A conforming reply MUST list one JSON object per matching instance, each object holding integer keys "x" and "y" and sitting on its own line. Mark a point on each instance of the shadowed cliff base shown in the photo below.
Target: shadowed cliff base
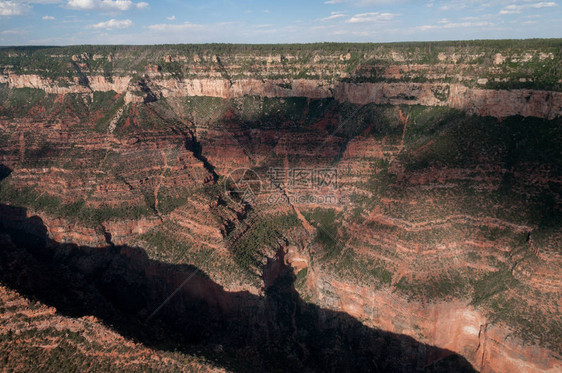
{"x": 238, "y": 330}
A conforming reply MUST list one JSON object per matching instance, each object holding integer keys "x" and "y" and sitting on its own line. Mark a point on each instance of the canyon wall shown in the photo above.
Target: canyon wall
{"x": 444, "y": 225}
{"x": 484, "y": 102}
{"x": 455, "y": 326}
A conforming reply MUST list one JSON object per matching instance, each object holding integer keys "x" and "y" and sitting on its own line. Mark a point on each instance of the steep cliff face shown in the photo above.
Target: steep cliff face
{"x": 484, "y": 102}
{"x": 438, "y": 217}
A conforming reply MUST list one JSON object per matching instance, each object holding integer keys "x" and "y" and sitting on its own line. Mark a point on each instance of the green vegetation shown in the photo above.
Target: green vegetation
{"x": 108, "y": 106}
{"x": 270, "y": 112}
{"x": 446, "y": 286}
{"x": 205, "y": 110}
{"x": 491, "y": 284}
{"x": 169, "y": 200}
{"x": 31, "y": 198}
{"x": 351, "y": 264}
{"x": 74, "y": 352}
{"x": 168, "y": 245}
{"x": 301, "y": 278}
{"x": 102, "y": 100}
{"x": 327, "y": 234}
{"x": 364, "y": 62}
{"x": 19, "y": 101}
{"x": 264, "y": 232}
{"x": 450, "y": 138}
{"x": 502, "y": 296}
{"x": 536, "y": 73}
{"x": 439, "y": 138}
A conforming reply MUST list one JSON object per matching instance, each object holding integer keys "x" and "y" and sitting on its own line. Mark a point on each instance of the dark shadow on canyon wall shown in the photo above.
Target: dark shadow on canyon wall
{"x": 279, "y": 331}
{"x": 4, "y": 172}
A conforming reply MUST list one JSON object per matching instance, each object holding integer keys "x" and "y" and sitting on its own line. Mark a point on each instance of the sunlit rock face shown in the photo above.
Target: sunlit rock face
{"x": 395, "y": 189}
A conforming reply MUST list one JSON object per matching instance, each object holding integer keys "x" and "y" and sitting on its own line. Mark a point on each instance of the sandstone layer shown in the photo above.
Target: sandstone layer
{"x": 484, "y": 102}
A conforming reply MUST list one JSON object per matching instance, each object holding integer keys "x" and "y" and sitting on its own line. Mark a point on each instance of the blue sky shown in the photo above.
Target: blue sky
{"x": 64, "y": 22}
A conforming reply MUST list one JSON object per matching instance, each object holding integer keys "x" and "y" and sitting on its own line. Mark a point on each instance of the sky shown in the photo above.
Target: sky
{"x": 72, "y": 22}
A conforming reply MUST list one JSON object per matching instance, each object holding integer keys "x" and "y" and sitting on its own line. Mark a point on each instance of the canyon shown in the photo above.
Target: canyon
{"x": 434, "y": 243}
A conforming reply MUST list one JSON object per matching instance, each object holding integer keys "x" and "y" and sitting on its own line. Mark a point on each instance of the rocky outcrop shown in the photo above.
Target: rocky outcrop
{"x": 495, "y": 103}
{"x": 95, "y": 83}
{"x": 484, "y": 102}
{"x": 454, "y": 325}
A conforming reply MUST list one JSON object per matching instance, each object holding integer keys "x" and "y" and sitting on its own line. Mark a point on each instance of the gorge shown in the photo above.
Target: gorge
{"x": 413, "y": 223}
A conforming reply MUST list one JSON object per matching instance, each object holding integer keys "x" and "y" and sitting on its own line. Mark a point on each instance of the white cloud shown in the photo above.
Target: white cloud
{"x": 107, "y": 5}
{"x": 454, "y": 6}
{"x": 171, "y": 18}
{"x": 48, "y": 18}
{"x": 366, "y": 3}
{"x": 12, "y": 8}
{"x": 372, "y": 17}
{"x": 518, "y": 9}
{"x": 333, "y": 15}
{"x": 446, "y": 24}
{"x": 378, "y": 2}
{"x": 13, "y": 32}
{"x": 543, "y": 4}
{"x": 172, "y": 27}
{"x": 113, "y": 24}
{"x": 83, "y": 4}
